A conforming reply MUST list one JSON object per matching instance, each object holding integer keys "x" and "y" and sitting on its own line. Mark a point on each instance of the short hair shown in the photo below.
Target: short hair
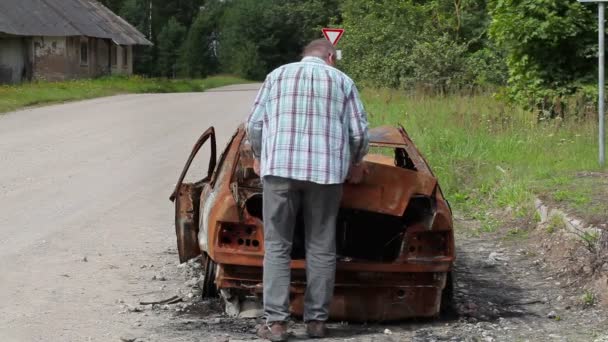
{"x": 319, "y": 48}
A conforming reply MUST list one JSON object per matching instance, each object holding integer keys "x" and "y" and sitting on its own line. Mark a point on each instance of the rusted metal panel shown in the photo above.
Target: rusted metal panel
{"x": 402, "y": 209}
{"x": 187, "y": 201}
{"x": 387, "y": 189}
{"x": 218, "y": 205}
{"x": 186, "y": 221}
{"x": 358, "y": 295}
{"x": 386, "y": 136}
{"x": 380, "y": 159}
{"x": 373, "y": 303}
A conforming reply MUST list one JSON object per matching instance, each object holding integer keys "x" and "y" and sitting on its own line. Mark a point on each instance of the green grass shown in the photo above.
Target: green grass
{"x": 489, "y": 155}
{"x": 588, "y": 298}
{"x": 515, "y": 234}
{"x": 555, "y": 223}
{"x": 584, "y": 195}
{"x": 591, "y": 238}
{"x": 13, "y": 97}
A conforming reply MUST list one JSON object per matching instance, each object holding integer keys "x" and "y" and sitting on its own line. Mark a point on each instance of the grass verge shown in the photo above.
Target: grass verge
{"x": 491, "y": 157}
{"x": 13, "y": 97}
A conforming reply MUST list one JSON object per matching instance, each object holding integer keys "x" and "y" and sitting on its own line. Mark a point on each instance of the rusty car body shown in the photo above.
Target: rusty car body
{"x": 395, "y": 233}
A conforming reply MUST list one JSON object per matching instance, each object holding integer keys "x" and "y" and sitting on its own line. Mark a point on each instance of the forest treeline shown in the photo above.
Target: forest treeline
{"x": 542, "y": 50}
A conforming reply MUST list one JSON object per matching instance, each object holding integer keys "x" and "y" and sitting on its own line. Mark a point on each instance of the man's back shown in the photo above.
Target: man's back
{"x": 312, "y": 121}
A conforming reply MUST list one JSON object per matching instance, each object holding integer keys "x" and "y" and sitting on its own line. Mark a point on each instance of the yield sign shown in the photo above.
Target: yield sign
{"x": 333, "y": 34}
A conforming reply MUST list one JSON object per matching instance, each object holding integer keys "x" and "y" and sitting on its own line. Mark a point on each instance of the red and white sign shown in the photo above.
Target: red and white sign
{"x": 333, "y": 34}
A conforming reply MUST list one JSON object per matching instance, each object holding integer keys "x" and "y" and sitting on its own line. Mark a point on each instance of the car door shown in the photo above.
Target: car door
{"x": 186, "y": 197}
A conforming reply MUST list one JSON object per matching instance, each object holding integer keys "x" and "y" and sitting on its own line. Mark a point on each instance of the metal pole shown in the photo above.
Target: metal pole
{"x": 602, "y": 134}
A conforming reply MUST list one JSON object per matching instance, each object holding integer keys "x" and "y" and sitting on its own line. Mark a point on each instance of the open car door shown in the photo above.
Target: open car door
{"x": 186, "y": 197}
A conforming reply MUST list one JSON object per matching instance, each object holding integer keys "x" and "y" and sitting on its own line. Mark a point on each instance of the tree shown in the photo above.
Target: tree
{"x": 184, "y": 11}
{"x": 407, "y": 43}
{"x": 549, "y": 43}
{"x": 380, "y": 38}
{"x": 170, "y": 40}
{"x": 199, "y": 52}
{"x": 257, "y": 36}
{"x": 114, "y": 5}
{"x": 137, "y": 12}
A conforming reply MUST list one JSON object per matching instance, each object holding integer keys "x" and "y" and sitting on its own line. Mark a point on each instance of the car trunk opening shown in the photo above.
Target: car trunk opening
{"x": 360, "y": 235}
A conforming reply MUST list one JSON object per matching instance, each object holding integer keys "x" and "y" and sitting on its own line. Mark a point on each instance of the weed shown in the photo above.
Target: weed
{"x": 526, "y": 211}
{"x": 590, "y": 238}
{"x": 555, "y": 223}
{"x": 559, "y": 180}
{"x": 588, "y": 298}
{"x": 489, "y": 225}
{"x": 517, "y": 234}
{"x": 574, "y": 197}
{"x": 537, "y": 217}
{"x": 561, "y": 195}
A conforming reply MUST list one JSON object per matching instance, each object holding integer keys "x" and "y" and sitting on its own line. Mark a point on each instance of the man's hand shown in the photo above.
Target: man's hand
{"x": 256, "y": 166}
{"x": 357, "y": 173}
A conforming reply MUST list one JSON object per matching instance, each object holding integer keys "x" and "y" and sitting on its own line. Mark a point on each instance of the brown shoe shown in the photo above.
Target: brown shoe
{"x": 316, "y": 329}
{"x": 274, "y": 331}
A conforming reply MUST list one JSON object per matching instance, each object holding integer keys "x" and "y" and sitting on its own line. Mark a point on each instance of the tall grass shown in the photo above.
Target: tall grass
{"x": 13, "y": 97}
{"x": 486, "y": 153}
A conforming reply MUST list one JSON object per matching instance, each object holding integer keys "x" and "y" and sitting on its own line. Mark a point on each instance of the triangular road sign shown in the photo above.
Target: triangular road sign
{"x": 333, "y": 34}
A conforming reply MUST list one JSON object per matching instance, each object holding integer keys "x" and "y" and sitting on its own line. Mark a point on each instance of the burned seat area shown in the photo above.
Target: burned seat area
{"x": 375, "y": 216}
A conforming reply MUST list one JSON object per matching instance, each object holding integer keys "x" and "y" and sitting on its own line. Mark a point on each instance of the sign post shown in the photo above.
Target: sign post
{"x": 334, "y": 35}
{"x": 601, "y": 8}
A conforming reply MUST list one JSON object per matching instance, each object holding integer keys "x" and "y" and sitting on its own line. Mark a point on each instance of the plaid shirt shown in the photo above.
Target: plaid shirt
{"x": 308, "y": 123}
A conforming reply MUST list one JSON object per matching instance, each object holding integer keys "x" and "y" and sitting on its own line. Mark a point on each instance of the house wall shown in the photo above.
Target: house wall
{"x": 102, "y": 67}
{"x": 119, "y": 67}
{"x": 129, "y": 66}
{"x": 49, "y": 58}
{"x": 60, "y": 58}
{"x": 15, "y": 61}
{"x": 73, "y": 67}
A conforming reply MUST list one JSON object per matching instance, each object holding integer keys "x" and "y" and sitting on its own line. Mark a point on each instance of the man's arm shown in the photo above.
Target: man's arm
{"x": 255, "y": 121}
{"x": 358, "y": 131}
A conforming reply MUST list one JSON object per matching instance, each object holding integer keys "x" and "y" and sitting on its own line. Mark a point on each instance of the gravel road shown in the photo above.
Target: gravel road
{"x": 84, "y": 203}
{"x": 86, "y": 234}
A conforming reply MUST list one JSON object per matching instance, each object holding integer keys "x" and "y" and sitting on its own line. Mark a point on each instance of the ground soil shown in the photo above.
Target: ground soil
{"x": 504, "y": 291}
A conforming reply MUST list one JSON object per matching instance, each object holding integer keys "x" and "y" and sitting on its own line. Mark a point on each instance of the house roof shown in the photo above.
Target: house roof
{"x": 66, "y": 18}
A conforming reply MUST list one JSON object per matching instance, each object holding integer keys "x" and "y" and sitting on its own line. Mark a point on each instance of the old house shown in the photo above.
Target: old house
{"x": 63, "y": 39}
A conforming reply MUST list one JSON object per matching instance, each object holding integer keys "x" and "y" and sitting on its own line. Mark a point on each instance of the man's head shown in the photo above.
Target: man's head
{"x": 321, "y": 48}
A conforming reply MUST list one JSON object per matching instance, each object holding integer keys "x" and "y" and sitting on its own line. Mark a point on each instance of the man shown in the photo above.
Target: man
{"x": 307, "y": 129}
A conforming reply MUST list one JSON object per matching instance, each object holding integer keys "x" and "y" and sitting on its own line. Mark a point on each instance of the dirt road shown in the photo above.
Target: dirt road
{"x": 86, "y": 234}
{"x": 91, "y": 180}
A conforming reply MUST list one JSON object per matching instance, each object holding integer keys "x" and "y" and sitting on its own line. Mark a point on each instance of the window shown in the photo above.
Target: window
{"x": 125, "y": 57}
{"x": 114, "y": 55}
{"x": 84, "y": 53}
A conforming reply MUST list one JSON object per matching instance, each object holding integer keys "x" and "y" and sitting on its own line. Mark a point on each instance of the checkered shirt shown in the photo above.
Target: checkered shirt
{"x": 308, "y": 123}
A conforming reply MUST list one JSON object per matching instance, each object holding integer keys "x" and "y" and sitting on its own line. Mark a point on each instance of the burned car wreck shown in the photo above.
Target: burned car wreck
{"x": 395, "y": 238}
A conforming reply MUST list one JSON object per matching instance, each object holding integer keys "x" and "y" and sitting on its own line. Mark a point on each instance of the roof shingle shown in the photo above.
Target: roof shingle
{"x": 66, "y": 18}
